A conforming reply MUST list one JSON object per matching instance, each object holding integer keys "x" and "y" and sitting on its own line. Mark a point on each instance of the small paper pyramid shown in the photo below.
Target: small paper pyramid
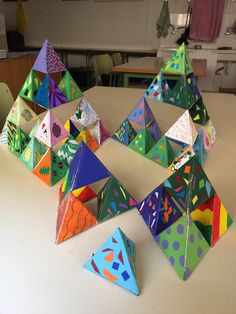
{"x": 31, "y": 86}
{"x": 116, "y": 261}
{"x": 141, "y": 114}
{"x": 51, "y": 131}
{"x": 86, "y": 136}
{"x": 182, "y": 157}
{"x": 4, "y": 134}
{"x": 181, "y": 91}
{"x": 99, "y": 132}
{"x": 142, "y": 142}
{"x": 71, "y": 128}
{"x": 21, "y": 113}
{"x": 183, "y": 130}
{"x": 158, "y": 210}
{"x": 184, "y": 246}
{"x": 33, "y": 153}
{"x": 154, "y": 130}
{"x": 49, "y": 95}
{"x": 86, "y": 168}
{"x": 113, "y": 199}
{"x": 67, "y": 151}
{"x": 50, "y": 168}
{"x": 72, "y": 218}
{"x": 69, "y": 87}
{"x": 125, "y": 133}
{"x": 198, "y": 112}
{"x": 35, "y": 128}
{"x": 84, "y": 114}
{"x": 179, "y": 63}
{"x": 47, "y": 60}
{"x": 212, "y": 219}
{"x": 162, "y": 152}
{"x": 155, "y": 90}
{"x": 189, "y": 185}
{"x": 19, "y": 142}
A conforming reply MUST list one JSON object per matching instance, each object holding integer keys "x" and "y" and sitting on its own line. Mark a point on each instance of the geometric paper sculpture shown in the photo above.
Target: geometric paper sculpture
{"x": 116, "y": 261}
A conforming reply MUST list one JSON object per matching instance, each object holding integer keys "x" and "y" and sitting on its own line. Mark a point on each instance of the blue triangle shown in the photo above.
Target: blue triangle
{"x": 118, "y": 268}
{"x": 86, "y": 168}
{"x": 42, "y": 94}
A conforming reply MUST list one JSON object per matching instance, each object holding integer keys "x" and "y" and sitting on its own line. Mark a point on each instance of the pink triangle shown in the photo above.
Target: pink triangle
{"x": 132, "y": 202}
{"x": 104, "y": 134}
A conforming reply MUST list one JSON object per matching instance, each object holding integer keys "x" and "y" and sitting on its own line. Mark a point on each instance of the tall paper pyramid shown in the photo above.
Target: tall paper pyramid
{"x": 116, "y": 261}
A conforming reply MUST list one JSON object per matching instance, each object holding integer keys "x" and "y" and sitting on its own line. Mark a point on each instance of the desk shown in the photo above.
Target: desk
{"x": 148, "y": 67}
{"x": 38, "y": 276}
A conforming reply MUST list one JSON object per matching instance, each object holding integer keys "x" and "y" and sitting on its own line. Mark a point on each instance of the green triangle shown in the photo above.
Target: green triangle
{"x": 142, "y": 142}
{"x": 198, "y": 112}
{"x": 19, "y": 142}
{"x": 30, "y": 86}
{"x": 32, "y": 154}
{"x": 162, "y": 152}
{"x": 184, "y": 246}
{"x": 179, "y": 63}
{"x": 35, "y": 128}
{"x": 58, "y": 168}
{"x": 67, "y": 151}
{"x": 113, "y": 199}
{"x": 69, "y": 87}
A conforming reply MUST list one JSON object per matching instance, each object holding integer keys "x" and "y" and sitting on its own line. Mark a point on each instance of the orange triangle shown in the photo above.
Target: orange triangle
{"x": 90, "y": 141}
{"x": 43, "y": 168}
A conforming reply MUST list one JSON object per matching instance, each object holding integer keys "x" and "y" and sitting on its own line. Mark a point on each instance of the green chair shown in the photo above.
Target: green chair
{"x": 6, "y": 102}
{"x": 102, "y": 65}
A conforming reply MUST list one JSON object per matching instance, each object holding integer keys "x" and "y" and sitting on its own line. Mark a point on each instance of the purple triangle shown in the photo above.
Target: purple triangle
{"x": 56, "y": 97}
{"x": 141, "y": 113}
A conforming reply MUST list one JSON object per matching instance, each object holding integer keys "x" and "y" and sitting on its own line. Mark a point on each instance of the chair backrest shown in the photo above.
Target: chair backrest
{"x": 6, "y": 102}
{"x": 117, "y": 59}
{"x": 102, "y": 64}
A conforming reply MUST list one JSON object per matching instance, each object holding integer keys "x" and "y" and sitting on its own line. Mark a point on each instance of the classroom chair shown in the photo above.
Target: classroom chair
{"x": 102, "y": 65}
{"x": 6, "y": 102}
{"x": 117, "y": 59}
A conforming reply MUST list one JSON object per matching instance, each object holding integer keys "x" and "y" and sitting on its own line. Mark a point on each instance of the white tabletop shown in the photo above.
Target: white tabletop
{"x": 39, "y": 277}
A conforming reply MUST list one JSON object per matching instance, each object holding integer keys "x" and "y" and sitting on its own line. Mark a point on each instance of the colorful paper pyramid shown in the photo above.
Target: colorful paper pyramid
{"x": 84, "y": 114}
{"x": 31, "y": 86}
{"x": 50, "y": 168}
{"x": 162, "y": 152}
{"x": 21, "y": 113}
{"x": 73, "y": 218}
{"x": 67, "y": 151}
{"x": 33, "y": 153}
{"x": 212, "y": 219}
{"x": 141, "y": 114}
{"x": 142, "y": 142}
{"x": 183, "y": 130}
{"x": 48, "y": 61}
{"x": 184, "y": 246}
{"x": 49, "y": 95}
{"x": 125, "y": 133}
{"x": 116, "y": 261}
{"x": 158, "y": 210}
{"x": 113, "y": 199}
{"x": 51, "y": 131}
{"x": 19, "y": 142}
{"x": 69, "y": 87}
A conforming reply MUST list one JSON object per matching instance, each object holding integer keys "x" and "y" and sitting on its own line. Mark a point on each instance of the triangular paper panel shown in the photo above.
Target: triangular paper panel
{"x": 212, "y": 219}
{"x": 51, "y": 131}
{"x": 99, "y": 132}
{"x": 183, "y": 130}
{"x": 162, "y": 152}
{"x": 33, "y": 153}
{"x": 211, "y": 131}
{"x": 184, "y": 246}
{"x": 84, "y": 114}
{"x": 69, "y": 87}
{"x": 67, "y": 151}
{"x": 35, "y": 128}
{"x": 50, "y": 168}
{"x": 11, "y": 130}
{"x": 86, "y": 136}
{"x": 142, "y": 142}
{"x": 113, "y": 199}
{"x": 155, "y": 90}
{"x": 86, "y": 168}
{"x": 49, "y": 95}
{"x": 71, "y": 128}
{"x": 189, "y": 185}
{"x": 198, "y": 112}
{"x": 125, "y": 133}
{"x": 65, "y": 186}
{"x": 30, "y": 86}
{"x": 115, "y": 261}
{"x": 154, "y": 130}
{"x": 72, "y": 218}
{"x": 84, "y": 194}
{"x": 182, "y": 157}
{"x": 47, "y": 60}
{"x": 179, "y": 63}
{"x": 4, "y": 134}
{"x": 181, "y": 91}
{"x": 141, "y": 114}
{"x": 19, "y": 142}
{"x": 21, "y": 113}
{"x": 202, "y": 145}
{"x": 158, "y": 210}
